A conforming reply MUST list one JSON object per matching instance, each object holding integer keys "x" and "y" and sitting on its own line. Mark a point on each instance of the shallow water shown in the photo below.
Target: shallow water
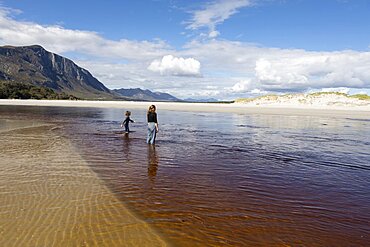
{"x": 221, "y": 179}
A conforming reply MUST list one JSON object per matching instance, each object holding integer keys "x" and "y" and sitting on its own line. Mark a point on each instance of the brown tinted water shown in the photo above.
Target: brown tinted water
{"x": 229, "y": 180}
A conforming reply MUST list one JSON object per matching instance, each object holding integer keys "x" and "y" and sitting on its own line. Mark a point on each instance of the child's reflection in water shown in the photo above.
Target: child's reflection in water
{"x": 126, "y": 146}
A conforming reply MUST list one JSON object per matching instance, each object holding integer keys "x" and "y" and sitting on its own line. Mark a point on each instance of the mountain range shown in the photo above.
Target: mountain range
{"x": 145, "y": 95}
{"x": 201, "y": 100}
{"x": 36, "y": 66}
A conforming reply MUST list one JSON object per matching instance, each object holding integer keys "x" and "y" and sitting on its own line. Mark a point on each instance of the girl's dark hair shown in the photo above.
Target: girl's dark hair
{"x": 151, "y": 109}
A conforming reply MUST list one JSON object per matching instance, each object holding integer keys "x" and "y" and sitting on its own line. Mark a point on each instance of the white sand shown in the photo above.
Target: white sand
{"x": 277, "y": 108}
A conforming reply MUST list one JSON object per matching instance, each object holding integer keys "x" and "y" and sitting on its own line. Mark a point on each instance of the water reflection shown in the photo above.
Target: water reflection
{"x": 126, "y": 145}
{"x": 152, "y": 162}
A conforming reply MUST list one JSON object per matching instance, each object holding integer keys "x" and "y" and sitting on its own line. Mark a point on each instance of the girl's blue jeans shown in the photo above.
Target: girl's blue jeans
{"x": 151, "y": 133}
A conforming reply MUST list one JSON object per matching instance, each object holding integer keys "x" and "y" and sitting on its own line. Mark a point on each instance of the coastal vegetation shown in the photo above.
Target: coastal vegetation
{"x": 17, "y": 90}
{"x": 267, "y": 97}
{"x": 361, "y": 96}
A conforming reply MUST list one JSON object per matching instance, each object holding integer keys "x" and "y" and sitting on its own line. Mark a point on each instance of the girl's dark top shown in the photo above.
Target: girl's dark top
{"x": 152, "y": 117}
{"x": 127, "y": 120}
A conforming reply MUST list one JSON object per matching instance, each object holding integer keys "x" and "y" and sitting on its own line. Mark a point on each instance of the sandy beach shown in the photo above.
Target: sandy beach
{"x": 239, "y": 108}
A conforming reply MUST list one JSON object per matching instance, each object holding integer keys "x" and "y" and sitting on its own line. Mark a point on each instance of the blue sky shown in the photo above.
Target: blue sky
{"x": 222, "y": 49}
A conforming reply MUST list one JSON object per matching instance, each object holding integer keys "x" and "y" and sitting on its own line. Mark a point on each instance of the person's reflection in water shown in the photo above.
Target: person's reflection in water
{"x": 126, "y": 146}
{"x": 152, "y": 162}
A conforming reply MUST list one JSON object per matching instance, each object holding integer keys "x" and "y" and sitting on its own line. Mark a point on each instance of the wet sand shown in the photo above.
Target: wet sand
{"x": 50, "y": 197}
{"x": 287, "y": 110}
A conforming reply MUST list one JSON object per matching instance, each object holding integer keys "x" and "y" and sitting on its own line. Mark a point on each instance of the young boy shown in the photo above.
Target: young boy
{"x": 127, "y": 121}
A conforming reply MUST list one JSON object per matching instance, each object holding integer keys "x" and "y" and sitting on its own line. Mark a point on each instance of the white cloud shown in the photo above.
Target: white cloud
{"x": 213, "y": 34}
{"x": 215, "y": 13}
{"x": 178, "y": 66}
{"x": 4, "y": 11}
{"x": 274, "y": 69}
{"x": 299, "y": 70}
{"x": 242, "y": 86}
{"x": 258, "y": 91}
{"x": 272, "y": 75}
{"x": 211, "y": 87}
{"x": 59, "y": 40}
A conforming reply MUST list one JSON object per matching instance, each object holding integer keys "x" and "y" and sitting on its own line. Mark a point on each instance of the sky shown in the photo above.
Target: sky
{"x": 223, "y": 49}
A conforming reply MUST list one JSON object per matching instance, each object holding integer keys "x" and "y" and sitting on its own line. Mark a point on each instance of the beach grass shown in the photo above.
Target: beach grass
{"x": 361, "y": 96}
{"x": 267, "y": 96}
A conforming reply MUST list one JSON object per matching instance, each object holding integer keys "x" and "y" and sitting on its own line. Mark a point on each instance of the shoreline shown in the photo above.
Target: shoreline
{"x": 239, "y": 108}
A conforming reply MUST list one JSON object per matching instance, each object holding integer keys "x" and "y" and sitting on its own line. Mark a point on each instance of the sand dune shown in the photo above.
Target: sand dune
{"x": 325, "y": 100}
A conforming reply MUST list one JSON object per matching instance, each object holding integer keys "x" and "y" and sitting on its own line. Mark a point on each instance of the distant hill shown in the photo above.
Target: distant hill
{"x": 36, "y": 66}
{"x": 144, "y": 95}
{"x": 201, "y": 100}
